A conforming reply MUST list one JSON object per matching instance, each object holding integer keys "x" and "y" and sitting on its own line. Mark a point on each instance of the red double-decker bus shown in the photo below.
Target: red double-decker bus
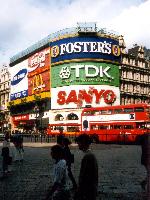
{"x": 122, "y": 123}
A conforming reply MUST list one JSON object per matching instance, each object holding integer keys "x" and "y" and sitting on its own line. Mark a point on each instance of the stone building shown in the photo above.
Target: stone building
{"x": 4, "y": 97}
{"x": 41, "y": 108}
{"x": 134, "y": 75}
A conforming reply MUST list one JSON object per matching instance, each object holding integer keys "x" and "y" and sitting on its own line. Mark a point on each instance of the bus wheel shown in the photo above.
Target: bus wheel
{"x": 95, "y": 139}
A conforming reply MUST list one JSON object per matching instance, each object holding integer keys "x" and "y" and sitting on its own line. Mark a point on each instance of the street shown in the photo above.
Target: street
{"x": 120, "y": 172}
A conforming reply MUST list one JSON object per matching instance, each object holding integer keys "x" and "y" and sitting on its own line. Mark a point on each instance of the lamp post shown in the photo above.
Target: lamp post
{"x": 36, "y": 111}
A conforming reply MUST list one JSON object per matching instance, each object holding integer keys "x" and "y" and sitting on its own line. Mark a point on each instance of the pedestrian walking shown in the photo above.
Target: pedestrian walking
{"x": 59, "y": 190}
{"x": 88, "y": 177}
{"x": 60, "y": 137}
{"x": 7, "y": 159}
{"x": 19, "y": 151}
{"x": 69, "y": 157}
{"x": 144, "y": 141}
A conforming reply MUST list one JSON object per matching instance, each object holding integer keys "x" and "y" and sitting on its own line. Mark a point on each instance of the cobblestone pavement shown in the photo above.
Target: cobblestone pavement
{"x": 120, "y": 172}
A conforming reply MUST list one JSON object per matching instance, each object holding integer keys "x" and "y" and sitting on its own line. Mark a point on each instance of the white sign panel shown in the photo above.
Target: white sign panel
{"x": 19, "y": 80}
{"x": 106, "y": 118}
{"x": 78, "y": 96}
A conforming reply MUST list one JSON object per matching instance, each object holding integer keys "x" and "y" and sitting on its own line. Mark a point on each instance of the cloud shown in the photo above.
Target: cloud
{"x": 23, "y": 23}
{"x": 134, "y": 24}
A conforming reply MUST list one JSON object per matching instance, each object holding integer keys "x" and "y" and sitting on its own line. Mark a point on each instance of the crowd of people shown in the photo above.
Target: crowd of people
{"x": 86, "y": 186}
{"x": 9, "y": 154}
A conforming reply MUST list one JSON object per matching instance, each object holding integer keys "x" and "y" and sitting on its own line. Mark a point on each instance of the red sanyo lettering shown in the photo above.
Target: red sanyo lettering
{"x": 108, "y": 96}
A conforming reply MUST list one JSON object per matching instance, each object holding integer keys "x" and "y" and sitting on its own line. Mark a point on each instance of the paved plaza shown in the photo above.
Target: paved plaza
{"x": 120, "y": 172}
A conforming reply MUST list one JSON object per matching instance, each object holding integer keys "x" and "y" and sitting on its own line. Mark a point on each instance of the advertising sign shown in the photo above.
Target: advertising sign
{"x": 39, "y": 72}
{"x": 39, "y": 62}
{"x": 19, "y": 80}
{"x": 94, "y": 95}
{"x": 39, "y": 83}
{"x": 85, "y": 73}
{"x": 115, "y": 117}
{"x": 78, "y": 48}
{"x": 21, "y": 117}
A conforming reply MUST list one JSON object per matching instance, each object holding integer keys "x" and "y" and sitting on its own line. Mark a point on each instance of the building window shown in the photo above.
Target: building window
{"x": 59, "y": 117}
{"x": 72, "y": 116}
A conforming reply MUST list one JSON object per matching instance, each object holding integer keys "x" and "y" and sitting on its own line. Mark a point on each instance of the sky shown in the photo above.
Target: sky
{"x": 25, "y": 22}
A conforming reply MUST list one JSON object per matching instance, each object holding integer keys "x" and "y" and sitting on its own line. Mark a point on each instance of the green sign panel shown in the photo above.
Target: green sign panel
{"x": 85, "y": 73}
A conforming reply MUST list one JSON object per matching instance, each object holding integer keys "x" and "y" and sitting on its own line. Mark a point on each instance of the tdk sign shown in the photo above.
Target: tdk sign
{"x": 19, "y": 76}
{"x": 101, "y": 48}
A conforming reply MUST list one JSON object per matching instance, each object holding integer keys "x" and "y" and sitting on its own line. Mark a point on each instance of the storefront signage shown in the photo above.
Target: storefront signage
{"x": 39, "y": 83}
{"x": 84, "y": 74}
{"x": 19, "y": 76}
{"x": 85, "y": 47}
{"x": 98, "y": 71}
{"x": 94, "y": 95}
{"x": 19, "y": 95}
{"x": 19, "y": 80}
{"x": 83, "y": 95}
{"x": 35, "y": 97}
{"x": 39, "y": 62}
{"x": 21, "y": 117}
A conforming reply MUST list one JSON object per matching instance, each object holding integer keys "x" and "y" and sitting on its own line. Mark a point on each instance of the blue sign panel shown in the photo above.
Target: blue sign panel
{"x": 101, "y": 48}
{"x": 19, "y": 76}
{"x": 19, "y": 95}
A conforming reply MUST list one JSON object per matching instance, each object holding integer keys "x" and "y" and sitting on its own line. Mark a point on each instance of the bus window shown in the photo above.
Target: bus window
{"x": 117, "y": 126}
{"x": 72, "y": 129}
{"x": 104, "y": 112}
{"x": 139, "y": 109}
{"x": 117, "y": 110}
{"x": 103, "y": 127}
{"x": 94, "y": 127}
{"x": 128, "y": 110}
{"x": 141, "y": 125}
{"x": 96, "y": 112}
{"x": 147, "y": 109}
{"x": 148, "y": 125}
{"x": 110, "y": 111}
{"x": 128, "y": 127}
{"x": 58, "y": 128}
{"x": 87, "y": 113}
{"x": 111, "y": 127}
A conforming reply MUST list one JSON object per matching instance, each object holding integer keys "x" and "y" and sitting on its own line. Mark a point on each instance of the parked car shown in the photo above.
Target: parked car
{"x": 2, "y": 136}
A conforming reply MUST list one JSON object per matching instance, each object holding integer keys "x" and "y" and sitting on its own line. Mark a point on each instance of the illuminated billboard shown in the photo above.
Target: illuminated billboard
{"x": 95, "y": 95}
{"x": 84, "y": 48}
{"x": 85, "y": 73}
{"x": 39, "y": 83}
{"x": 39, "y": 72}
{"x": 31, "y": 77}
{"x": 19, "y": 80}
{"x": 39, "y": 62}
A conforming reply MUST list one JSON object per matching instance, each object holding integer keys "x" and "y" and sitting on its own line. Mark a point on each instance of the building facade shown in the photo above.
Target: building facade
{"x": 4, "y": 98}
{"x": 135, "y": 76}
{"x": 53, "y": 80}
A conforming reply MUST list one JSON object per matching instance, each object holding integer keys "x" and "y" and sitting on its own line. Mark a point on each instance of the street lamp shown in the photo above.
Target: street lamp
{"x": 36, "y": 111}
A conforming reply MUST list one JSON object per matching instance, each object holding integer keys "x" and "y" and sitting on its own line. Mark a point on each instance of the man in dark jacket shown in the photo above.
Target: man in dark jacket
{"x": 88, "y": 178}
{"x": 144, "y": 141}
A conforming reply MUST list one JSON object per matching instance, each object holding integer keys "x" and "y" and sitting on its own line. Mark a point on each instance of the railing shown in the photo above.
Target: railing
{"x": 103, "y": 138}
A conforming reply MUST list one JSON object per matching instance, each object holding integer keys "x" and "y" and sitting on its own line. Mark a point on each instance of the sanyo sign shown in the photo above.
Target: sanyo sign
{"x": 90, "y": 71}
